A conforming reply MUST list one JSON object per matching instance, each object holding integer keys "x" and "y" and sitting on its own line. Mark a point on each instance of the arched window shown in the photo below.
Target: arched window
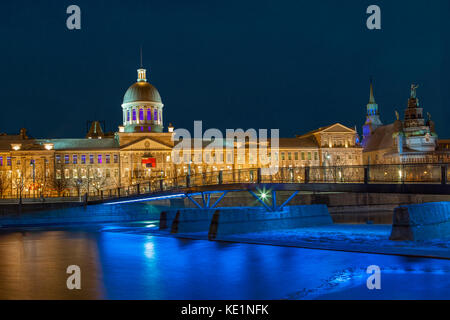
{"x": 134, "y": 114}
{"x": 149, "y": 114}
{"x": 155, "y": 117}
{"x": 141, "y": 114}
{"x": 128, "y": 115}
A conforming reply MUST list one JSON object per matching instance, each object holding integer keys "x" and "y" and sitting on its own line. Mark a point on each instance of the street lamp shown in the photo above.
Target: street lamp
{"x": 33, "y": 164}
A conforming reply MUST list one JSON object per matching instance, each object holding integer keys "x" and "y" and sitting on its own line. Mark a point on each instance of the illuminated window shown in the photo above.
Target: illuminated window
{"x": 91, "y": 159}
{"x": 75, "y": 159}
{"x": 128, "y": 115}
{"x": 99, "y": 159}
{"x": 1, "y": 161}
{"x": 66, "y": 159}
{"x": 75, "y": 174}
{"x": 8, "y": 161}
{"x": 108, "y": 158}
{"x": 58, "y": 174}
{"x": 155, "y": 116}
{"x": 108, "y": 174}
{"x": 134, "y": 114}
{"x": 66, "y": 173}
{"x": 83, "y": 159}
{"x": 141, "y": 114}
{"x": 116, "y": 158}
{"x": 282, "y": 156}
{"x": 58, "y": 158}
{"x": 289, "y": 156}
{"x": 303, "y": 156}
{"x": 316, "y": 156}
{"x": 149, "y": 114}
{"x": 296, "y": 156}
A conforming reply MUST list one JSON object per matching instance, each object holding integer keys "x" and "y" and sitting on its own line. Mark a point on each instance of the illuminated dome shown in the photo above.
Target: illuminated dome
{"x": 142, "y": 107}
{"x": 142, "y": 91}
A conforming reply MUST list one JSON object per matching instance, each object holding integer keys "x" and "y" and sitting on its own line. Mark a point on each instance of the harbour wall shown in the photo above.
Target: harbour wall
{"x": 421, "y": 222}
{"x": 83, "y": 214}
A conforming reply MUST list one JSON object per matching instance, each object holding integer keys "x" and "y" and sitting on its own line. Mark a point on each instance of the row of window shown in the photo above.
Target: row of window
{"x": 251, "y": 156}
{"x": 304, "y": 156}
{"x": 7, "y": 162}
{"x": 87, "y": 159}
{"x": 83, "y": 173}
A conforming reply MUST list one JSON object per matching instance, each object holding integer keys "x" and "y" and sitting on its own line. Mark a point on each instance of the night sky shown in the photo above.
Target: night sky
{"x": 293, "y": 65}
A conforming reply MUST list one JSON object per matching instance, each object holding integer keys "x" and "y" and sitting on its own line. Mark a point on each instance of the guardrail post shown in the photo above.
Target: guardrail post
{"x": 444, "y": 174}
{"x": 366, "y": 175}
{"x": 307, "y": 170}
{"x": 259, "y": 176}
{"x": 220, "y": 177}
{"x": 188, "y": 181}
{"x": 138, "y": 189}
{"x": 161, "y": 186}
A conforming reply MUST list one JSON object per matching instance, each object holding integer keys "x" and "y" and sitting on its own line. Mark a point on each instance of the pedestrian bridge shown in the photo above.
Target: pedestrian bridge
{"x": 404, "y": 178}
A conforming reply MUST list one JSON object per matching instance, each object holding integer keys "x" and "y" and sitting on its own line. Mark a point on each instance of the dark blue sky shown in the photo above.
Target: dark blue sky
{"x": 293, "y": 65}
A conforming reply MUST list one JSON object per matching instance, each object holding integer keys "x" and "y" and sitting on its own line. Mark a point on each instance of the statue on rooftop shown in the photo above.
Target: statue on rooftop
{"x": 413, "y": 91}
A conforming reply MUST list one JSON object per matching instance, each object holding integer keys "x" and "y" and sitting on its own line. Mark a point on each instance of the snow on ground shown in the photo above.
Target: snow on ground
{"x": 359, "y": 238}
{"x": 341, "y": 237}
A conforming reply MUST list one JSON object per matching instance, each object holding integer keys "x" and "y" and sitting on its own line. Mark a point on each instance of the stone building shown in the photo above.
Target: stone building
{"x": 411, "y": 140}
{"x": 141, "y": 151}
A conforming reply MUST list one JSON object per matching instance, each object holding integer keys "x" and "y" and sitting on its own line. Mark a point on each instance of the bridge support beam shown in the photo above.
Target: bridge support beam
{"x": 206, "y": 200}
{"x": 272, "y": 207}
{"x": 260, "y": 200}
{"x": 288, "y": 200}
{"x": 218, "y": 200}
{"x": 193, "y": 201}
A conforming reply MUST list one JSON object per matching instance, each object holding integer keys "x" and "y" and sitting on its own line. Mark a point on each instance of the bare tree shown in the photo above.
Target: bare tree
{"x": 59, "y": 182}
{"x": 99, "y": 182}
{"x": 5, "y": 183}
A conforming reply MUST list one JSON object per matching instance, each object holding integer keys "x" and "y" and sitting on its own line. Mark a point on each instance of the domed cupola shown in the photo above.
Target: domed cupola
{"x": 142, "y": 107}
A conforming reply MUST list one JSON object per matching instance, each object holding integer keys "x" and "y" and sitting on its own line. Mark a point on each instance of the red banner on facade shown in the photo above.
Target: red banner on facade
{"x": 149, "y": 162}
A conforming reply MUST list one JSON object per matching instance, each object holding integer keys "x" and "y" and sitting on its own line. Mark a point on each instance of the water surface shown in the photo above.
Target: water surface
{"x": 119, "y": 265}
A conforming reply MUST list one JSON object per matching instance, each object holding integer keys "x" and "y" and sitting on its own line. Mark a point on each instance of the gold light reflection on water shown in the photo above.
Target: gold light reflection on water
{"x": 33, "y": 265}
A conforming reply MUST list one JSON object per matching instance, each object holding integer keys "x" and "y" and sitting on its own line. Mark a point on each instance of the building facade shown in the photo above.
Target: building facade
{"x": 142, "y": 151}
{"x": 411, "y": 140}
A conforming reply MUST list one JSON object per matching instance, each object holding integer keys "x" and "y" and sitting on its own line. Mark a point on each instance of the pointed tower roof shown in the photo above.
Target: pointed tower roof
{"x": 372, "y": 98}
{"x": 96, "y": 131}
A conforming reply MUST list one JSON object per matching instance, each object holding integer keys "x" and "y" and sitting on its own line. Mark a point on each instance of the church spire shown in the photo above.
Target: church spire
{"x": 372, "y": 98}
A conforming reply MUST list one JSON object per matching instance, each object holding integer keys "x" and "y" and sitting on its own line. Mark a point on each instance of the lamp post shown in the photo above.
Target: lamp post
{"x": 33, "y": 164}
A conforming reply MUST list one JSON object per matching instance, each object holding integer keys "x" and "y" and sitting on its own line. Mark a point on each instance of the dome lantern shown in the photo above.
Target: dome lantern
{"x": 141, "y": 75}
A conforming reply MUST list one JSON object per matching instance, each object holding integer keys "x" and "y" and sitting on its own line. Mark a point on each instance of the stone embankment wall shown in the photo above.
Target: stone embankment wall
{"x": 421, "y": 222}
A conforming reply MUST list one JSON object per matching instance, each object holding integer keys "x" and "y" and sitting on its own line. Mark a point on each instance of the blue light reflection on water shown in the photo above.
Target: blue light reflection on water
{"x": 148, "y": 267}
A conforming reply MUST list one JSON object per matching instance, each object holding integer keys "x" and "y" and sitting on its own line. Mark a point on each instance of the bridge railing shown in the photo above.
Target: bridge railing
{"x": 373, "y": 174}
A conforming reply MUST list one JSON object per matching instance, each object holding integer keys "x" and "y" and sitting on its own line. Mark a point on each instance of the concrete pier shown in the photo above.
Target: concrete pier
{"x": 225, "y": 221}
{"x": 421, "y": 222}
